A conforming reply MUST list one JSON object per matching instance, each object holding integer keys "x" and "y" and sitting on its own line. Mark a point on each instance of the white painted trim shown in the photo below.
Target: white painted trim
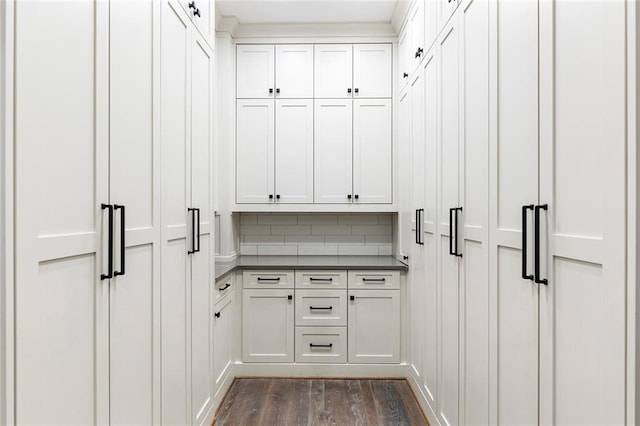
{"x": 221, "y": 392}
{"x": 7, "y": 361}
{"x": 399, "y": 15}
{"x": 323, "y": 31}
{"x": 422, "y": 400}
{"x": 321, "y": 370}
{"x": 226, "y": 24}
{"x": 301, "y": 208}
{"x": 229, "y": 258}
{"x": 633, "y": 214}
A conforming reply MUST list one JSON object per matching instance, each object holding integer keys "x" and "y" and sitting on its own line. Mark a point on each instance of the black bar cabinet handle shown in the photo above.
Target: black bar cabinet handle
{"x": 421, "y": 232}
{"x": 525, "y": 275}
{"x": 383, "y": 279}
{"x": 537, "y": 278}
{"x": 109, "y": 275}
{"x": 321, "y": 279}
{"x": 451, "y": 252}
{"x": 321, "y": 308}
{"x": 198, "y": 229}
{"x": 226, "y": 286}
{"x": 457, "y": 253}
{"x": 193, "y": 227}
{"x": 312, "y": 345}
{"x": 122, "y": 243}
{"x": 417, "y": 239}
{"x": 269, "y": 279}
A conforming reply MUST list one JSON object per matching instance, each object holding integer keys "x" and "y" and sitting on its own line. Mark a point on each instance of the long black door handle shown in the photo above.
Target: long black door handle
{"x": 109, "y": 275}
{"x": 537, "y": 278}
{"x": 198, "y": 229}
{"x": 417, "y": 214}
{"x": 457, "y": 253}
{"x": 122, "y": 243}
{"x": 420, "y": 231}
{"x": 193, "y": 228}
{"x": 525, "y": 275}
{"x": 451, "y": 236}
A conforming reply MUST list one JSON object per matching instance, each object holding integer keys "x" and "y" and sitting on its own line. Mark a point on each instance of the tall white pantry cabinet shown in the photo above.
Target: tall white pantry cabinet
{"x": 100, "y": 211}
{"x": 532, "y": 205}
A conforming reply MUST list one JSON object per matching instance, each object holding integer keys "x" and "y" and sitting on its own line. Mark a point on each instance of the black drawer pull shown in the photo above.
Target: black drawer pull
{"x": 321, "y": 279}
{"x": 226, "y": 286}
{"x": 352, "y": 298}
{"x": 217, "y": 314}
{"x": 268, "y": 279}
{"x": 364, "y": 280}
{"x": 321, "y": 308}
{"x": 330, "y": 345}
{"x": 290, "y": 297}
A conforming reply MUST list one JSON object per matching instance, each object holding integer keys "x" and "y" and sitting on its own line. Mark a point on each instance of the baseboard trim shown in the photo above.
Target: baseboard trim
{"x": 343, "y": 371}
{"x": 427, "y": 410}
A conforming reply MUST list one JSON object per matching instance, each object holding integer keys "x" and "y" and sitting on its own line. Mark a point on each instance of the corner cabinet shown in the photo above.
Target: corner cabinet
{"x": 314, "y": 125}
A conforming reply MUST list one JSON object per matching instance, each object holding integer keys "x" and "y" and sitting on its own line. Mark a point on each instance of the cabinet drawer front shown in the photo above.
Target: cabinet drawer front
{"x": 321, "y": 279}
{"x": 267, "y": 279}
{"x": 374, "y": 279}
{"x": 321, "y": 344}
{"x": 321, "y": 307}
{"x": 223, "y": 287}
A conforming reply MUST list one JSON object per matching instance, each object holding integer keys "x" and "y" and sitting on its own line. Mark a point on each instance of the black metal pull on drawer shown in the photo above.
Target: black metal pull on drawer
{"x": 378, "y": 280}
{"x": 312, "y": 345}
{"x": 321, "y": 279}
{"x": 321, "y": 308}
{"x": 226, "y": 286}
{"x": 269, "y": 279}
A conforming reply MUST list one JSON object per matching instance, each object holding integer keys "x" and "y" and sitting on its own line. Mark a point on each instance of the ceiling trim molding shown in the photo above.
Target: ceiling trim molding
{"x": 227, "y": 24}
{"x": 313, "y": 30}
{"x": 399, "y": 14}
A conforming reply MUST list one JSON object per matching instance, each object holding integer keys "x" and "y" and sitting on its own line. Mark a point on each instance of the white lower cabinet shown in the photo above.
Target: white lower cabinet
{"x": 333, "y": 317}
{"x": 223, "y": 333}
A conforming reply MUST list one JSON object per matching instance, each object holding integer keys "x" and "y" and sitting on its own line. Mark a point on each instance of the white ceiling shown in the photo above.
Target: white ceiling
{"x": 307, "y": 11}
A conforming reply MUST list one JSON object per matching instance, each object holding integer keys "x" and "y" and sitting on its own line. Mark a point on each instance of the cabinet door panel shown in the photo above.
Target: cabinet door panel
{"x": 255, "y": 151}
{"x": 474, "y": 197}
{"x": 406, "y": 237}
{"x": 374, "y": 326}
{"x": 333, "y": 150}
{"x": 583, "y": 307}
{"x": 175, "y": 288}
{"x": 294, "y": 71}
{"x": 372, "y": 68}
{"x": 294, "y": 151}
{"x": 372, "y": 151}
{"x": 267, "y": 326}
{"x": 61, "y": 178}
{"x": 134, "y": 179}
{"x": 223, "y": 339}
{"x": 333, "y": 70}
{"x": 514, "y": 183}
{"x": 404, "y": 58}
{"x": 416, "y": 26}
{"x": 255, "y": 71}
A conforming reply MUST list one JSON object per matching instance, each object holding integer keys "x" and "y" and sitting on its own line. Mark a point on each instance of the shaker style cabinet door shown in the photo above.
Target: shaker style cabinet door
{"x": 294, "y": 151}
{"x": 372, "y": 69}
{"x": 372, "y": 151}
{"x": 333, "y": 151}
{"x": 333, "y": 71}
{"x": 255, "y": 151}
{"x": 255, "y": 71}
{"x": 294, "y": 71}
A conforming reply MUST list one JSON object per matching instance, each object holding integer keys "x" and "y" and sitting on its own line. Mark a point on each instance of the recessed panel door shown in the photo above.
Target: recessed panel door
{"x": 255, "y": 71}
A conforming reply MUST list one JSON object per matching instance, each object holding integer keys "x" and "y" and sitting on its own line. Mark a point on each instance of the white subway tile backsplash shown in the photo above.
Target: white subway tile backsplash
{"x": 263, "y": 239}
{"x": 330, "y": 234}
{"x": 358, "y": 250}
{"x": 371, "y": 230}
{"x": 255, "y": 229}
{"x": 330, "y": 230}
{"x": 278, "y": 219}
{"x": 358, "y": 219}
{"x": 345, "y": 239}
{"x": 317, "y": 250}
{"x": 248, "y": 250}
{"x": 291, "y": 230}
{"x": 277, "y": 250}
{"x": 304, "y": 239}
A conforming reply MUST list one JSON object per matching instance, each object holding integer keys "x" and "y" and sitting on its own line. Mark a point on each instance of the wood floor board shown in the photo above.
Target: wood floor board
{"x": 319, "y": 402}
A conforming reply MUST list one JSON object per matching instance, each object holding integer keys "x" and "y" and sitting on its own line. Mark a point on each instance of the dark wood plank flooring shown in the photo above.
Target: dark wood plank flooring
{"x": 266, "y": 401}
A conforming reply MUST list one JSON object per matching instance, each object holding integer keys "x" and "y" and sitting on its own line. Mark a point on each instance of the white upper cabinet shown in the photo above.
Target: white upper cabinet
{"x": 416, "y": 28}
{"x": 294, "y": 71}
{"x": 202, "y": 15}
{"x": 404, "y": 41}
{"x": 430, "y": 22}
{"x": 372, "y": 69}
{"x": 294, "y": 151}
{"x": 255, "y": 71}
{"x": 372, "y": 151}
{"x": 333, "y": 71}
{"x": 445, "y": 10}
{"x": 255, "y": 151}
{"x": 333, "y": 129}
